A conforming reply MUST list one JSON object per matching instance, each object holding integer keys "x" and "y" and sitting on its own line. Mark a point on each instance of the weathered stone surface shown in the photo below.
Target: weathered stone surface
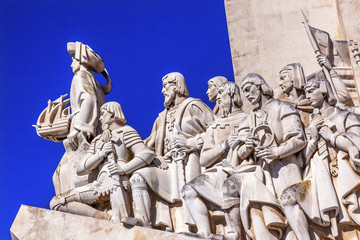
{"x": 37, "y": 223}
{"x": 265, "y": 35}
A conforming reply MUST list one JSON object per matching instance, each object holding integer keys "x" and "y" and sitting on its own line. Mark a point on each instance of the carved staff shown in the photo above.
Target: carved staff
{"x": 317, "y": 52}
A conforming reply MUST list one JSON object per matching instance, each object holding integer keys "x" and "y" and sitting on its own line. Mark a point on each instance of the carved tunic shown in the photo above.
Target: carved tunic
{"x": 209, "y": 184}
{"x": 86, "y": 98}
{"x": 124, "y": 139}
{"x": 266, "y": 185}
{"x": 191, "y": 119}
{"x": 332, "y": 180}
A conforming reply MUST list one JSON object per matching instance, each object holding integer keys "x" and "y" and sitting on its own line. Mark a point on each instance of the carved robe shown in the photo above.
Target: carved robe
{"x": 331, "y": 179}
{"x": 209, "y": 184}
{"x": 128, "y": 145}
{"x": 86, "y": 98}
{"x": 190, "y": 118}
{"x": 261, "y": 190}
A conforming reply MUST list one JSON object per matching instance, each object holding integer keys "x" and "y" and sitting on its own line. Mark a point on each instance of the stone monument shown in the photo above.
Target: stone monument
{"x": 283, "y": 166}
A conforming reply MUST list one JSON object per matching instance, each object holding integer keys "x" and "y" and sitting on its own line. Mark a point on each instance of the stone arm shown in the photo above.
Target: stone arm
{"x": 86, "y": 115}
{"x": 294, "y": 138}
{"x": 198, "y": 119}
{"x": 92, "y": 160}
{"x": 143, "y": 156}
{"x": 309, "y": 150}
{"x": 210, "y": 153}
{"x": 341, "y": 90}
{"x": 85, "y": 97}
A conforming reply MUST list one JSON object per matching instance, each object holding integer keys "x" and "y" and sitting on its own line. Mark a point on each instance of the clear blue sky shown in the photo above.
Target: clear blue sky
{"x": 140, "y": 42}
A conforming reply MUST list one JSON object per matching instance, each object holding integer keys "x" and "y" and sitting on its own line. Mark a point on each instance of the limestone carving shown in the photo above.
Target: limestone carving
{"x": 287, "y": 169}
{"x": 206, "y": 189}
{"x": 213, "y": 85}
{"x": 86, "y": 98}
{"x": 115, "y": 154}
{"x": 177, "y": 139}
{"x": 276, "y": 143}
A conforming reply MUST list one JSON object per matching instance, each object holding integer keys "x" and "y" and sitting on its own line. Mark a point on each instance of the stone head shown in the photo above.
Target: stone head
{"x": 173, "y": 85}
{"x": 228, "y": 97}
{"x": 291, "y": 76}
{"x": 318, "y": 90}
{"x": 112, "y": 112}
{"x": 254, "y": 86}
{"x": 213, "y": 85}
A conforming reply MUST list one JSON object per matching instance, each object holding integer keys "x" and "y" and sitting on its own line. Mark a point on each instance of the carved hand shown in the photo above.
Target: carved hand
{"x": 250, "y": 143}
{"x": 326, "y": 133}
{"x": 72, "y": 138}
{"x": 324, "y": 61}
{"x": 234, "y": 140}
{"x": 107, "y": 148}
{"x": 269, "y": 153}
{"x": 181, "y": 141}
{"x": 160, "y": 163}
{"x": 314, "y": 126}
{"x": 116, "y": 168}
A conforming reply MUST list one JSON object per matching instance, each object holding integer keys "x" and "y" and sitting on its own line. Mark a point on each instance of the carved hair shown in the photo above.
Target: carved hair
{"x": 325, "y": 88}
{"x": 297, "y": 75}
{"x": 234, "y": 92}
{"x": 218, "y": 80}
{"x": 179, "y": 81}
{"x": 257, "y": 80}
{"x": 115, "y": 109}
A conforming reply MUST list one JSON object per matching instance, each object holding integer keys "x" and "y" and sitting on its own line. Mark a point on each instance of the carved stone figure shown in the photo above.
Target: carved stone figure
{"x": 86, "y": 98}
{"x": 206, "y": 189}
{"x": 213, "y": 85}
{"x": 114, "y": 155}
{"x": 277, "y": 138}
{"x": 330, "y": 190}
{"x": 292, "y": 81}
{"x": 177, "y": 139}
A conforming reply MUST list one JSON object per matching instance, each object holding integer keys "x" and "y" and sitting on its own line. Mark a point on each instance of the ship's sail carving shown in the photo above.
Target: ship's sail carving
{"x": 54, "y": 121}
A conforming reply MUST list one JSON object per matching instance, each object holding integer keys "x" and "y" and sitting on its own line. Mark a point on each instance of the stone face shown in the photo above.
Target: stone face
{"x": 37, "y": 223}
{"x": 267, "y": 35}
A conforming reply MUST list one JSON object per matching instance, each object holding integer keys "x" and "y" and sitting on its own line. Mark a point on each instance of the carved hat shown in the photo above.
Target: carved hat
{"x": 85, "y": 55}
{"x": 297, "y": 74}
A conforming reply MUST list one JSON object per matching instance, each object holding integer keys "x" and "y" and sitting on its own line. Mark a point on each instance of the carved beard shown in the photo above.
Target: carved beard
{"x": 224, "y": 106}
{"x": 169, "y": 99}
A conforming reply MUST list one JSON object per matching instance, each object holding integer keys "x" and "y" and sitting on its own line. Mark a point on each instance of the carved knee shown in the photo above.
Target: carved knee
{"x": 231, "y": 188}
{"x": 138, "y": 182}
{"x": 56, "y": 202}
{"x": 187, "y": 192}
{"x": 288, "y": 197}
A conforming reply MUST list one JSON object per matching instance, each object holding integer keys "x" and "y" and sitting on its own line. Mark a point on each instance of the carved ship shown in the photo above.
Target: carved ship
{"x": 54, "y": 121}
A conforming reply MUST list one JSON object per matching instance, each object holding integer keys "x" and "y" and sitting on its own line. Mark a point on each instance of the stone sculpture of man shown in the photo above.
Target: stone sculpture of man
{"x": 213, "y": 85}
{"x": 331, "y": 183}
{"x": 280, "y": 139}
{"x": 86, "y": 98}
{"x": 177, "y": 139}
{"x": 207, "y": 188}
{"x": 292, "y": 81}
{"x": 114, "y": 154}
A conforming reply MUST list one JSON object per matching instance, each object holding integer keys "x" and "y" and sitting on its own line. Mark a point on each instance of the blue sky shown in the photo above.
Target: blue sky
{"x": 140, "y": 42}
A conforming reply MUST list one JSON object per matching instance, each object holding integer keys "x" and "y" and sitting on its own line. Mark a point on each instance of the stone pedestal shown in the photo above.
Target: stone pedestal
{"x": 42, "y": 224}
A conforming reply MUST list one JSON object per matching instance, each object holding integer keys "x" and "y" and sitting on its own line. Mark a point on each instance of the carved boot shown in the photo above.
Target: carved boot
{"x": 142, "y": 202}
